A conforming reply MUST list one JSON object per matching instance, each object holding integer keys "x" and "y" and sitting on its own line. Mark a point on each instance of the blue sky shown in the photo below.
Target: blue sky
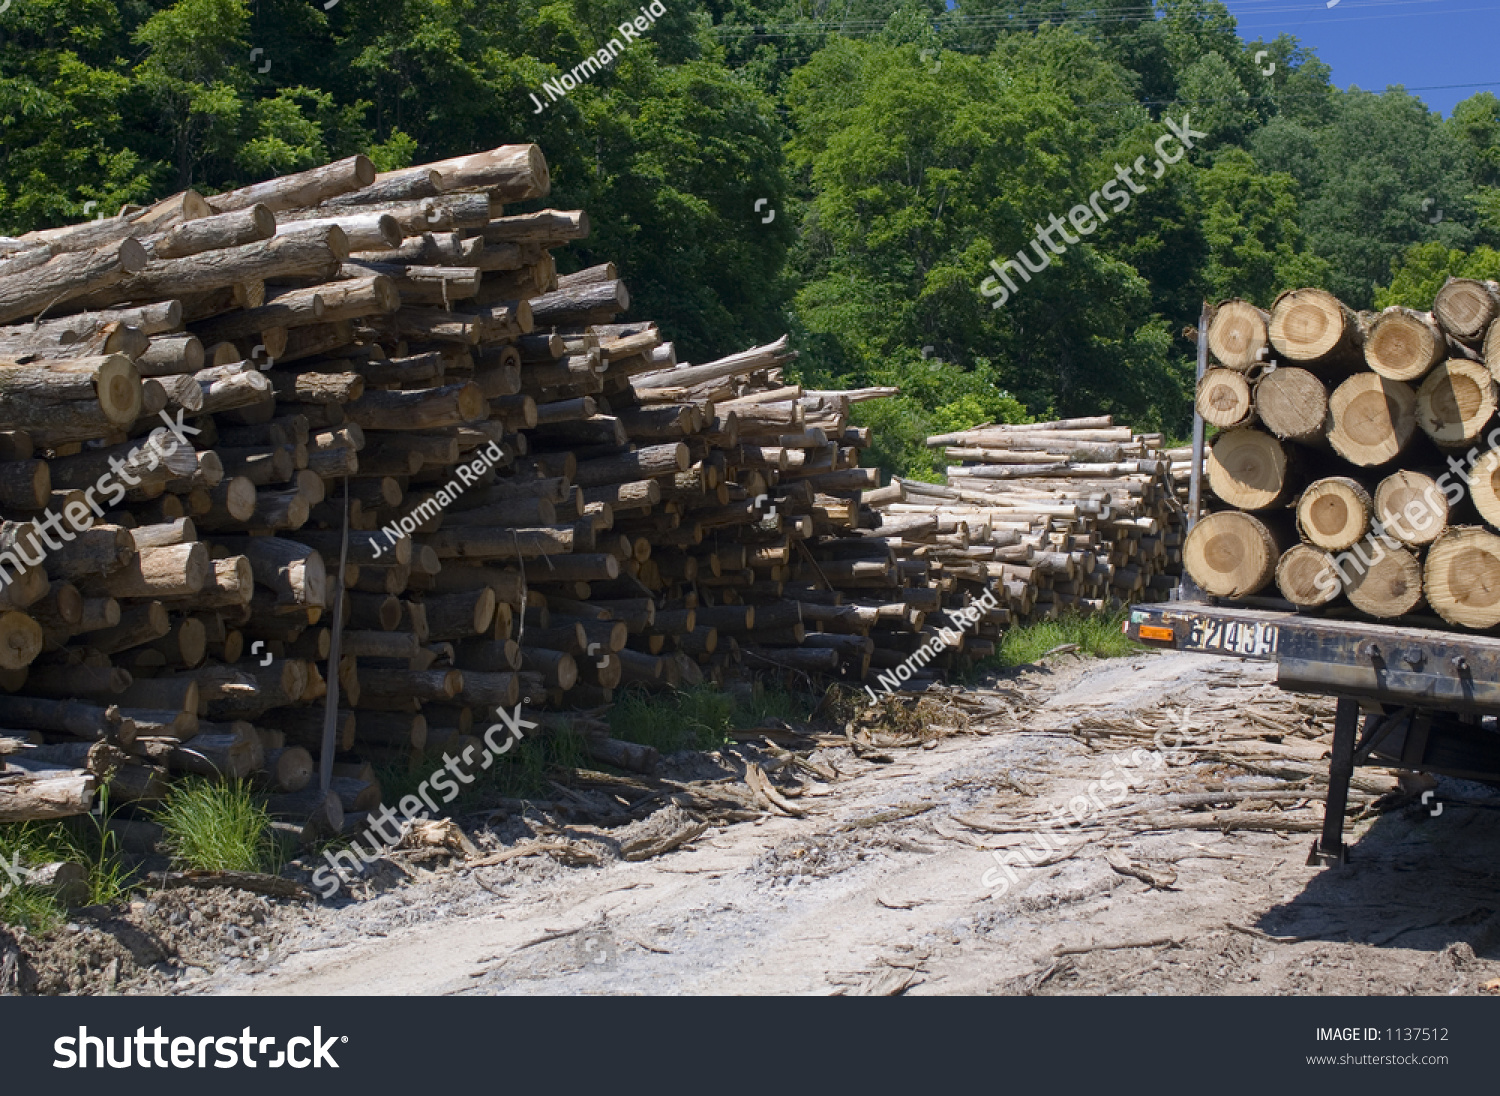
{"x": 1376, "y": 43}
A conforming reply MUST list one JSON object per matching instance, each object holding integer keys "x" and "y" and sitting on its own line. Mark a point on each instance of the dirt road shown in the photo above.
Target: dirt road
{"x": 881, "y": 887}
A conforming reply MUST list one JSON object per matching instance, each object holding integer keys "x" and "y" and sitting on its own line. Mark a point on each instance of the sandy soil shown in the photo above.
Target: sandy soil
{"x": 880, "y": 886}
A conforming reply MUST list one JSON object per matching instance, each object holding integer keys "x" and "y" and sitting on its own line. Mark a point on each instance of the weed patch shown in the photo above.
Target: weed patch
{"x": 211, "y": 826}
{"x": 1099, "y": 636}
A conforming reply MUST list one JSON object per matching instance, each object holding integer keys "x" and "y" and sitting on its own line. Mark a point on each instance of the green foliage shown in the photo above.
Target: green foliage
{"x": 85, "y": 841}
{"x": 904, "y": 145}
{"x": 1099, "y": 636}
{"x": 213, "y": 826}
{"x": 936, "y": 397}
{"x": 699, "y": 718}
{"x": 1249, "y": 218}
{"x": 1421, "y": 272}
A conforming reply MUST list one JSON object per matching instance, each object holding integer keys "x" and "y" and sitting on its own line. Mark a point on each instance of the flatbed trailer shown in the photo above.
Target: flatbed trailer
{"x": 1407, "y": 698}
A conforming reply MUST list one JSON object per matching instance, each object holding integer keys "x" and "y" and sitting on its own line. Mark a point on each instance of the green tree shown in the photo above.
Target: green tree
{"x": 1421, "y": 272}
{"x": 1252, "y": 225}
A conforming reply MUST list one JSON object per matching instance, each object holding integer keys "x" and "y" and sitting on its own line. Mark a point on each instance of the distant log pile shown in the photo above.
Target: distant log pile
{"x": 1355, "y": 466}
{"x": 1078, "y": 515}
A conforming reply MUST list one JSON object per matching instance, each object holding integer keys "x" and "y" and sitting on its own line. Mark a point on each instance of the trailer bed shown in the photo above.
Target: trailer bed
{"x": 1377, "y": 662}
{"x": 1423, "y": 693}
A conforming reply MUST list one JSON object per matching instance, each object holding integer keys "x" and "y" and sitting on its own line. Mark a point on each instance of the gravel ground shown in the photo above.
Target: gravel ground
{"x": 880, "y": 887}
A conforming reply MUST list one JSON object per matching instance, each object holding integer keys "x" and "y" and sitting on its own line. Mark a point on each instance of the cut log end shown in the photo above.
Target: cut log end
{"x": 1391, "y": 584}
{"x": 1224, "y": 398}
{"x": 1237, "y": 335}
{"x": 1230, "y": 554}
{"x": 1293, "y": 404}
{"x": 1307, "y": 577}
{"x": 1463, "y": 577}
{"x": 1456, "y": 402}
{"x": 1413, "y": 509}
{"x": 1334, "y": 513}
{"x": 1373, "y": 419}
{"x": 1248, "y": 469}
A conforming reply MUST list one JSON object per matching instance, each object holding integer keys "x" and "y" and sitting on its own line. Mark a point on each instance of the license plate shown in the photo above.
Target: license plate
{"x": 1233, "y": 637}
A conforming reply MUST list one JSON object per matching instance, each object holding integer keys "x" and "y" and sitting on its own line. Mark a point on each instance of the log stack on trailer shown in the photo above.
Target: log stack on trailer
{"x": 1354, "y": 468}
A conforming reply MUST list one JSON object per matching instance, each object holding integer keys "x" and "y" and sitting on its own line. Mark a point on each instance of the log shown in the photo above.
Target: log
{"x": 229, "y": 229}
{"x": 1404, "y": 344}
{"x": 67, "y": 717}
{"x": 365, "y": 231}
{"x": 546, "y": 227}
{"x": 1334, "y": 513}
{"x": 20, "y": 640}
{"x": 1293, "y": 404}
{"x": 1248, "y": 469}
{"x": 1224, "y": 400}
{"x": 1456, "y": 402}
{"x": 1314, "y": 329}
{"x": 178, "y": 570}
{"x": 301, "y": 190}
{"x": 43, "y": 796}
{"x": 288, "y": 769}
{"x": 315, "y": 252}
{"x": 1389, "y": 584}
{"x": 423, "y": 409}
{"x": 1462, "y": 577}
{"x": 1413, "y": 509}
{"x": 1306, "y": 577}
{"x": 1237, "y": 335}
{"x": 1232, "y": 554}
{"x": 1372, "y": 418}
{"x": 511, "y": 173}
{"x": 111, "y": 382}
{"x": 69, "y": 277}
{"x": 1465, "y": 308}
{"x": 291, "y": 569}
{"x": 311, "y": 807}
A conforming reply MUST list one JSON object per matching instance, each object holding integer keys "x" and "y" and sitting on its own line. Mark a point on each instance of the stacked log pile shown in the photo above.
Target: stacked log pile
{"x": 1354, "y": 468}
{"x": 541, "y": 504}
{"x": 1076, "y": 515}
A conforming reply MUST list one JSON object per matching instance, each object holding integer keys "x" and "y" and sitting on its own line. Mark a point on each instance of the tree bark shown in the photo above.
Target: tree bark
{"x": 69, "y": 277}
{"x": 301, "y": 190}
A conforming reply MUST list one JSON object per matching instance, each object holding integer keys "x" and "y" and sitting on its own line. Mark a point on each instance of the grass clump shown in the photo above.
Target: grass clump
{"x": 699, "y": 718}
{"x": 1099, "y": 635}
{"x": 211, "y": 826}
{"x": 85, "y": 841}
{"x": 522, "y": 772}
{"x": 703, "y": 717}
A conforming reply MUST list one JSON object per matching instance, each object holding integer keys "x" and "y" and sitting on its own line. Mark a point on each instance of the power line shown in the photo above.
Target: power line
{"x": 1031, "y": 20}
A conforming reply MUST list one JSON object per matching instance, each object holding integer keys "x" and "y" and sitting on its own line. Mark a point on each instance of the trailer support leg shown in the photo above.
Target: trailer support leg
{"x": 1329, "y": 848}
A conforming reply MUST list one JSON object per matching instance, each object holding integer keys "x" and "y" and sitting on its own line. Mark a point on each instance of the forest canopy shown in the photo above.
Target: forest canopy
{"x": 902, "y": 148}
